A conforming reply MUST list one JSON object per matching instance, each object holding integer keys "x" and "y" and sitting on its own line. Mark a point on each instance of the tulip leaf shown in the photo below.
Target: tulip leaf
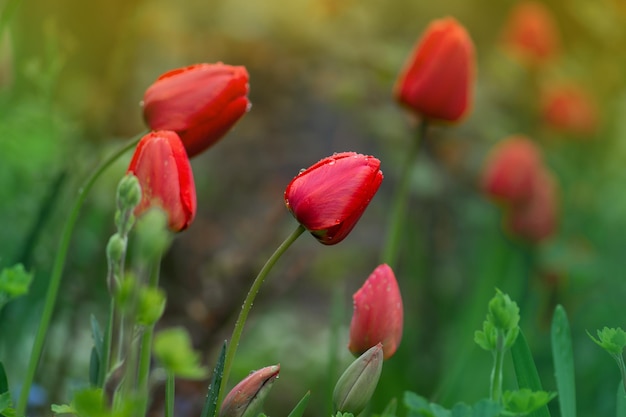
{"x": 563, "y": 356}
{"x": 526, "y": 371}
{"x": 298, "y": 410}
{"x": 4, "y": 382}
{"x": 210, "y": 404}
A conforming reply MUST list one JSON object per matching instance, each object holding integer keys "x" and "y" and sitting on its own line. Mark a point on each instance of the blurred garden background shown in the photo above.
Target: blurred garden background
{"x": 73, "y": 73}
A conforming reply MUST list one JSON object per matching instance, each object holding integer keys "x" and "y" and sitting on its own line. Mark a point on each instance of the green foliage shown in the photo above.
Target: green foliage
{"x": 150, "y": 306}
{"x": 613, "y": 340}
{"x": 298, "y": 410}
{"x": 563, "y": 356}
{"x": 14, "y": 282}
{"x": 502, "y": 318}
{"x": 418, "y": 406}
{"x": 6, "y": 405}
{"x": 210, "y": 404}
{"x": 340, "y": 414}
{"x": 525, "y": 401}
{"x": 526, "y": 371}
{"x": 153, "y": 236}
{"x": 173, "y": 349}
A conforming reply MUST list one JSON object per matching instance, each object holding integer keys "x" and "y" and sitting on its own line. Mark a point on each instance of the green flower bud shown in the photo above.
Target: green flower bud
{"x": 357, "y": 384}
{"x": 115, "y": 248}
{"x": 503, "y": 312}
{"x": 153, "y": 236}
{"x": 128, "y": 193}
{"x": 246, "y": 398}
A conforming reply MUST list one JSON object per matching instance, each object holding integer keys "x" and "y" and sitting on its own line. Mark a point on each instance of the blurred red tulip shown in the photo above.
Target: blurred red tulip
{"x": 378, "y": 314}
{"x": 569, "y": 109}
{"x": 162, "y": 167}
{"x": 437, "y": 81}
{"x": 200, "y": 103}
{"x": 247, "y": 397}
{"x": 536, "y": 219}
{"x": 531, "y": 34}
{"x": 329, "y": 197}
{"x": 509, "y": 174}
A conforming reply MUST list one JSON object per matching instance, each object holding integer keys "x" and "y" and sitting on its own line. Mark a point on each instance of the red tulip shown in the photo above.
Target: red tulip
{"x": 247, "y": 397}
{"x": 437, "y": 81}
{"x": 570, "y": 109}
{"x": 162, "y": 167}
{"x": 330, "y": 197}
{"x": 378, "y": 313}
{"x": 510, "y": 171}
{"x": 200, "y": 103}
{"x": 536, "y": 219}
{"x": 531, "y": 33}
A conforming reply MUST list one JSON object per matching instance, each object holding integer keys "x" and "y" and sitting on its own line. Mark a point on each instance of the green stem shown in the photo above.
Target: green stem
{"x": 145, "y": 353}
{"x": 106, "y": 346}
{"x": 247, "y": 305}
{"x": 398, "y": 210}
{"x": 496, "y": 372}
{"x": 169, "y": 394}
{"x": 55, "y": 278}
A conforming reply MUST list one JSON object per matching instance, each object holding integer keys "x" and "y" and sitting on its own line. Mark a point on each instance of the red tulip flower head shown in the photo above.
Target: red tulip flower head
{"x": 378, "y": 313}
{"x": 329, "y": 197}
{"x": 200, "y": 103}
{"x": 510, "y": 171}
{"x": 531, "y": 33}
{"x": 437, "y": 81}
{"x": 570, "y": 109}
{"x": 162, "y": 167}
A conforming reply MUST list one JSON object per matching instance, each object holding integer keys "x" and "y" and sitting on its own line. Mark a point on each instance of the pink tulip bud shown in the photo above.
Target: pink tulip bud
{"x": 200, "y": 103}
{"x": 246, "y": 398}
{"x": 329, "y": 197}
{"x": 437, "y": 81}
{"x": 378, "y": 313}
{"x": 162, "y": 167}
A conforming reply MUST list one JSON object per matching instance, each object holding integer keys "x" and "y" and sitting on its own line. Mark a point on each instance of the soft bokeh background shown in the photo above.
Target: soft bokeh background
{"x": 72, "y": 74}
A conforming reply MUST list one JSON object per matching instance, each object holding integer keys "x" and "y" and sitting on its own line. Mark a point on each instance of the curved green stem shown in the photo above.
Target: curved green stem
{"x": 57, "y": 270}
{"x": 247, "y": 306}
{"x": 396, "y": 222}
{"x": 496, "y": 372}
{"x": 170, "y": 387}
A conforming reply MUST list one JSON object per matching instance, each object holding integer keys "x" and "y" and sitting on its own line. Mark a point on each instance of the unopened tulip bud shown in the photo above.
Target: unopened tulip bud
{"x": 246, "y": 398}
{"x": 329, "y": 197}
{"x": 378, "y": 313}
{"x": 357, "y": 384}
{"x": 162, "y": 167}
{"x": 200, "y": 102}
{"x": 438, "y": 79}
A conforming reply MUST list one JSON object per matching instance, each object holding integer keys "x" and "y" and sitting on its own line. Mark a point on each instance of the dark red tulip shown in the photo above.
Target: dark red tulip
{"x": 531, "y": 34}
{"x": 162, "y": 167}
{"x": 200, "y": 103}
{"x": 378, "y": 313}
{"x": 437, "y": 81}
{"x": 509, "y": 174}
{"x": 330, "y": 197}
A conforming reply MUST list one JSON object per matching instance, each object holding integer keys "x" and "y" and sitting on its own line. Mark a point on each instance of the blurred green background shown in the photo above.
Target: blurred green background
{"x": 72, "y": 75}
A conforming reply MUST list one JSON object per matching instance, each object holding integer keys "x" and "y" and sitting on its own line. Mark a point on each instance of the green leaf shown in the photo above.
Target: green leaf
{"x": 90, "y": 402}
{"x": 525, "y": 401}
{"x": 613, "y": 340}
{"x": 416, "y": 405}
{"x": 94, "y": 367}
{"x": 563, "y": 356}
{"x": 6, "y": 404}
{"x": 14, "y": 282}
{"x": 96, "y": 335}
{"x": 390, "y": 409}
{"x": 486, "y": 408}
{"x": 210, "y": 404}
{"x": 4, "y": 382}
{"x": 172, "y": 347}
{"x": 62, "y": 409}
{"x": 151, "y": 305}
{"x": 526, "y": 371}
{"x": 298, "y": 410}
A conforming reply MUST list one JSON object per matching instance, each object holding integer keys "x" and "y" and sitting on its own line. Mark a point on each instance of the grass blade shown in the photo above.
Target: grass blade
{"x": 526, "y": 371}
{"x": 4, "y": 382}
{"x": 298, "y": 410}
{"x": 210, "y": 404}
{"x": 563, "y": 356}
